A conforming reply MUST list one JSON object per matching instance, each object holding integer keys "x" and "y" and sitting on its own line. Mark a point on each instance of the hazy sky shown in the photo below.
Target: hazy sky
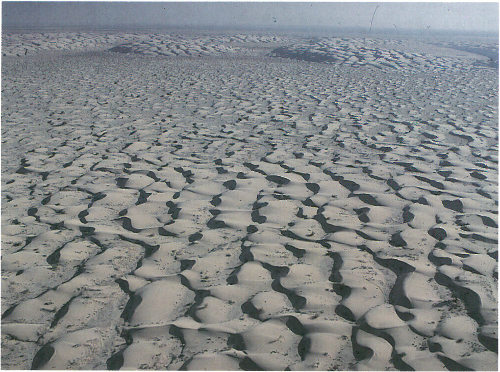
{"x": 474, "y": 16}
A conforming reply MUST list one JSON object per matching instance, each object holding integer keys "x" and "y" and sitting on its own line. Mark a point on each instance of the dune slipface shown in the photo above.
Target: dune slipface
{"x": 248, "y": 201}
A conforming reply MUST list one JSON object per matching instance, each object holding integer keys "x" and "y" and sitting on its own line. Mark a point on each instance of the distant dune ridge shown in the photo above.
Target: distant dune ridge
{"x": 351, "y": 51}
{"x": 248, "y": 201}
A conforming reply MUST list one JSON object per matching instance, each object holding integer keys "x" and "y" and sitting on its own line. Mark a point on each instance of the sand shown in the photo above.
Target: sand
{"x": 228, "y": 202}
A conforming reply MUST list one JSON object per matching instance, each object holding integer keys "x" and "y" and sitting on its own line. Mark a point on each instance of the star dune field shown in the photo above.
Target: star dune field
{"x": 248, "y": 201}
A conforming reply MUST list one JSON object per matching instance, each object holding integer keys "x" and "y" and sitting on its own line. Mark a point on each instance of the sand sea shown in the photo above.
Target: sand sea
{"x": 246, "y": 201}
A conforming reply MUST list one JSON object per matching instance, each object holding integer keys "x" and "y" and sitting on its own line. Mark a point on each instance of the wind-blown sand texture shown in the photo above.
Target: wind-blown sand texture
{"x": 247, "y": 202}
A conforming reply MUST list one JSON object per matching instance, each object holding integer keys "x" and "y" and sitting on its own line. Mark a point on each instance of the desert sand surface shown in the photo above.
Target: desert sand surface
{"x": 248, "y": 201}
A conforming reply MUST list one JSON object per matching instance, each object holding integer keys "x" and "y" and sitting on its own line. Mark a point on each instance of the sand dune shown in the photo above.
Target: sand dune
{"x": 172, "y": 44}
{"x": 383, "y": 54}
{"x": 198, "y": 202}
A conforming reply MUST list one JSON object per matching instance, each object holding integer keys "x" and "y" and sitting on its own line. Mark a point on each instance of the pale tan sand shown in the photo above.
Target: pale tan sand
{"x": 242, "y": 202}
